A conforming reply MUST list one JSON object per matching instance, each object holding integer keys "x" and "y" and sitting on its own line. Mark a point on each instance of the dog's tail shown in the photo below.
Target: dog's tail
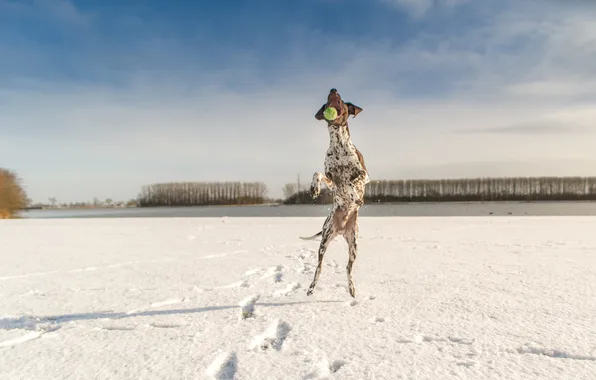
{"x": 312, "y": 237}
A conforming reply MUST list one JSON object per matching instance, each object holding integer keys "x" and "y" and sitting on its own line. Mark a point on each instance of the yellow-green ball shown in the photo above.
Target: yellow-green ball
{"x": 330, "y": 113}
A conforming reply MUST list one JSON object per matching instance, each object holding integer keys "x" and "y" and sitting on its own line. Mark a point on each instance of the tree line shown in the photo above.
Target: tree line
{"x": 13, "y": 197}
{"x": 467, "y": 189}
{"x": 202, "y": 194}
{"x": 95, "y": 203}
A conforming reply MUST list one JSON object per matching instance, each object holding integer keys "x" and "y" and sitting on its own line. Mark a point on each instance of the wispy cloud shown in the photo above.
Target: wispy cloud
{"x": 419, "y": 8}
{"x": 63, "y": 11}
{"x": 535, "y": 128}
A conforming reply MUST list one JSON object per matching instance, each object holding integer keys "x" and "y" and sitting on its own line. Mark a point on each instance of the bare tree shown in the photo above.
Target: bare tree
{"x": 12, "y": 194}
{"x": 289, "y": 190}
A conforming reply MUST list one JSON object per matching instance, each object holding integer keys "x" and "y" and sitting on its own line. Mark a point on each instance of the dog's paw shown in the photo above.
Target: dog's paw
{"x": 366, "y": 179}
{"x": 315, "y": 191}
{"x": 315, "y": 185}
{"x": 358, "y": 177}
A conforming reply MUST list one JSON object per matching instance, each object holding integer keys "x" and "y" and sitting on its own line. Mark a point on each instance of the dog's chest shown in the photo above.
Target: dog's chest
{"x": 342, "y": 162}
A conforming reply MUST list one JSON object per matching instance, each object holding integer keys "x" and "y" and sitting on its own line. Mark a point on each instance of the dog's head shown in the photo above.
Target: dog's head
{"x": 344, "y": 109}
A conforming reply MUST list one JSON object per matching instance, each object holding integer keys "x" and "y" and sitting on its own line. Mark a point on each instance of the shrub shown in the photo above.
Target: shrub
{"x": 12, "y": 196}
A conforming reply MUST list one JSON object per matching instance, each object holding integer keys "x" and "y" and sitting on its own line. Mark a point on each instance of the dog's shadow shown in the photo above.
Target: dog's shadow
{"x": 34, "y": 323}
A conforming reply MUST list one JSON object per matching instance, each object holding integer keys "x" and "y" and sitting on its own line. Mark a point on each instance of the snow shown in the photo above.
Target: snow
{"x": 225, "y": 298}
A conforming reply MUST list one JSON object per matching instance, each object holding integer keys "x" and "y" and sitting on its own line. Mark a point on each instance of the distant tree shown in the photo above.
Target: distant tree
{"x": 52, "y": 201}
{"x": 12, "y": 195}
{"x": 289, "y": 190}
{"x": 108, "y": 202}
{"x": 470, "y": 189}
{"x": 202, "y": 193}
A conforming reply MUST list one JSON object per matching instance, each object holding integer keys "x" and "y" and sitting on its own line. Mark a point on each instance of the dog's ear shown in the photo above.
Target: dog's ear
{"x": 319, "y": 115}
{"x": 353, "y": 109}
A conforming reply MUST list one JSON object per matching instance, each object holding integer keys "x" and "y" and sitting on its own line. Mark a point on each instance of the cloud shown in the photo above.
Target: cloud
{"x": 419, "y": 8}
{"x": 554, "y": 88}
{"x": 62, "y": 11}
{"x": 535, "y": 128}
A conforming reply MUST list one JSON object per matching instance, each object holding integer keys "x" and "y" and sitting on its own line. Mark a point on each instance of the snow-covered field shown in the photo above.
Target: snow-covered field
{"x": 437, "y": 298}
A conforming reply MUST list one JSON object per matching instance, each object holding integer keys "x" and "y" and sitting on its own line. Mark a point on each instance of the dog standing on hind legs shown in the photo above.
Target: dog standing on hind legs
{"x": 346, "y": 177}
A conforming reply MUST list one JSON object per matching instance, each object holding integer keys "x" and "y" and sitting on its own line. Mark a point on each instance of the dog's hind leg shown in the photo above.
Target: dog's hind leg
{"x": 328, "y": 234}
{"x": 351, "y": 237}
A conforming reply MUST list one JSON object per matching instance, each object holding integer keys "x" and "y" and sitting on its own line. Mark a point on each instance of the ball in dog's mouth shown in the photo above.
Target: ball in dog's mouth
{"x": 330, "y": 113}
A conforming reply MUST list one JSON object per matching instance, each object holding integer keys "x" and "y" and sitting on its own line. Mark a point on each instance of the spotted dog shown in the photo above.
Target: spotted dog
{"x": 346, "y": 177}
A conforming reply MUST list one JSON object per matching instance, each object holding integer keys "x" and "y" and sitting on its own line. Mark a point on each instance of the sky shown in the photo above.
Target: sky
{"x": 98, "y": 98}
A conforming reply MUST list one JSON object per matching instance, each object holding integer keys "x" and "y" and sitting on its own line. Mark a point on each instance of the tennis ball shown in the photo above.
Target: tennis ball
{"x": 330, "y": 113}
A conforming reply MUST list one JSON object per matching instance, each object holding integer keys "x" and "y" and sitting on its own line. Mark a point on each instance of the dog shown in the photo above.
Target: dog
{"x": 346, "y": 177}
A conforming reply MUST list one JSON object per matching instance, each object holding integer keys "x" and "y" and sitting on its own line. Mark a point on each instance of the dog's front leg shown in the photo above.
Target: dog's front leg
{"x": 315, "y": 185}
{"x": 357, "y": 180}
{"x": 361, "y": 176}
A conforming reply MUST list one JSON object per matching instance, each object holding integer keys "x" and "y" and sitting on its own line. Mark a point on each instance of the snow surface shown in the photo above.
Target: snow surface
{"x": 197, "y": 298}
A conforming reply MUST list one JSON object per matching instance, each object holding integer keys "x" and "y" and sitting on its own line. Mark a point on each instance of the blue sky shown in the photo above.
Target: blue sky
{"x": 98, "y": 98}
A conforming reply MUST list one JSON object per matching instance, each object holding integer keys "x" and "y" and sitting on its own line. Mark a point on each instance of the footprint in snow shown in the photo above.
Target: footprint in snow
{"x": 288, "y": 290}
{"x": 274, "y": 337}
{"x": 324, "y": 369}
{"x": 247, "y": 306}
{"x": 306, "y": 269}
{"x": 332, "y": 264}
{"x": 306, "y": 254}
{"x": 274, "y": 273}
{"x": 224, "y": 367}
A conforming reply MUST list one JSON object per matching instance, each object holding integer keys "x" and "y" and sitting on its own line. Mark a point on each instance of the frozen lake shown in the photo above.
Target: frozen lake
{"x": 383, "y": 210}
{"x": 436, "y": 298}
